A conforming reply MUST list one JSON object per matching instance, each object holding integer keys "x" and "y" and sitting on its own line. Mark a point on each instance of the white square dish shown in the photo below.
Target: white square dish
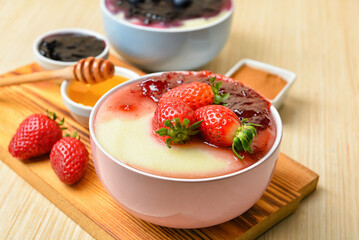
{"x": 286, "y": 75}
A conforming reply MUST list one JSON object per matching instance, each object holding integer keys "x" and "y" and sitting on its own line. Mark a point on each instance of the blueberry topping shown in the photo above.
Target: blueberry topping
{"x": 182, "y": 3}
{"x": 136, "y": 1}
{"x": 70, "y": 47}
{"x": 167, "y": 12}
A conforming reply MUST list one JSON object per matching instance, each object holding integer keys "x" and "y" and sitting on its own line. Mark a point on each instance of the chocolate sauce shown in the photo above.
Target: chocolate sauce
{"x": 70, "y": 47}
{"x": 167, "y": 12}
{"x": 244, "y": 101}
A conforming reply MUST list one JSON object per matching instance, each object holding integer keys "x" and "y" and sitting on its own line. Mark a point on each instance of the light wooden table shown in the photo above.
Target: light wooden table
{"x": 318, "y": 40}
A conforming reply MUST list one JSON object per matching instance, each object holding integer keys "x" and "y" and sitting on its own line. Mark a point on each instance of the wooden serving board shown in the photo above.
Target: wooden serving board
{"x": 87, "y": 202}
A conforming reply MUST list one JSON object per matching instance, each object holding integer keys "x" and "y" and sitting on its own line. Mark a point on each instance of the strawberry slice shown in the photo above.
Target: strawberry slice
{"x": 222, "y": 127}
{"x": 198, "y": 94}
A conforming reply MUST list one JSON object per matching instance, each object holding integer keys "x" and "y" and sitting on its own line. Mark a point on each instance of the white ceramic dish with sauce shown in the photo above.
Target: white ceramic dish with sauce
{"x": 286, "y": 75}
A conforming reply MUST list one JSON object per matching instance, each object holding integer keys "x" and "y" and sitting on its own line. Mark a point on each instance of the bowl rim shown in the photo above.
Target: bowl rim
{"x": 278, "y": 139}
{"x": 37, "y": 42}
{"x": 65, "y": 84}
{"x": 167, "y": 30}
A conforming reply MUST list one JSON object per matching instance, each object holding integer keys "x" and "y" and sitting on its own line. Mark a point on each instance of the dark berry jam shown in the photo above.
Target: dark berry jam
{"x": 167, "y": 13}
{"x": 244, "y": 101}
{"x": 70, "y": 47}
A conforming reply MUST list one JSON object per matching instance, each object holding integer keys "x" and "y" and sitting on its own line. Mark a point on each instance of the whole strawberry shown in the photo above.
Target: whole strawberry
{"x": 171, "y": 109}
{"x": 35, "y": 136}
{"x": 222, "y": 127}
{"x": 174, "y": 121}
{"x": 197, "y": 94}
{"x": 69, "y": 159}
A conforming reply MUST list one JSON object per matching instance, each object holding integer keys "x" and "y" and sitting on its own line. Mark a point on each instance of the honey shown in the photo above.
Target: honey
{"x": 89, "y": 94}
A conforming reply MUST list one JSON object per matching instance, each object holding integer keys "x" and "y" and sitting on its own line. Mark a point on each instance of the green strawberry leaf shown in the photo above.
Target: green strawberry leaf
{"x": 244, "y": 136}
{"x": 53, "y": 116}
{"x": 219, "y": 98}
{"x": 178, "y": 133}
{"x": 194, "y": 125}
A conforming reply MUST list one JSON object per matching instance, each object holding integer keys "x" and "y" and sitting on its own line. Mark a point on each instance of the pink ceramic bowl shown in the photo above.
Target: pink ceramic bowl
{"x": 183, "y": 203}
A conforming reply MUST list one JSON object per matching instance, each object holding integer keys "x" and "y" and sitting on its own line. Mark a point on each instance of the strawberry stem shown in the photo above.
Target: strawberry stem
{"x": 219, "y": 98}
{"x": 244, "y": 137}
{"x": 53, "y": 116}
{"x": 178, "y": 133}
{"x": 74, "y": 135}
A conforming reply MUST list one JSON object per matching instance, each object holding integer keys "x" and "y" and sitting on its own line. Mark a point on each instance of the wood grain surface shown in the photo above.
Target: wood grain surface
{"x": 318, "y": 40}
{"x": 87, "y": 202}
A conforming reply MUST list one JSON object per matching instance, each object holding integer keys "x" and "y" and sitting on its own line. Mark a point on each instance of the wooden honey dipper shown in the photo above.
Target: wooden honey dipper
{"x": 87, "y": 70}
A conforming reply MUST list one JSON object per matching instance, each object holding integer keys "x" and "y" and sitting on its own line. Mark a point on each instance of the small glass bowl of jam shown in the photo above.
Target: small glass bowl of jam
{"x": 79, "y": 98}
{"x": 65, "y": 47}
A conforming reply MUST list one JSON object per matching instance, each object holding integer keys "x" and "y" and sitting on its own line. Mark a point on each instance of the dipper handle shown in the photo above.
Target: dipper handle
{"x": 88, "y": 70}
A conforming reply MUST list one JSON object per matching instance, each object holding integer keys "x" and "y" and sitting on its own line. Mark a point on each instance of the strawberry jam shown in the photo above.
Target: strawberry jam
{"x": 167, "y": 12}
{"x": 244, "y": 101}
